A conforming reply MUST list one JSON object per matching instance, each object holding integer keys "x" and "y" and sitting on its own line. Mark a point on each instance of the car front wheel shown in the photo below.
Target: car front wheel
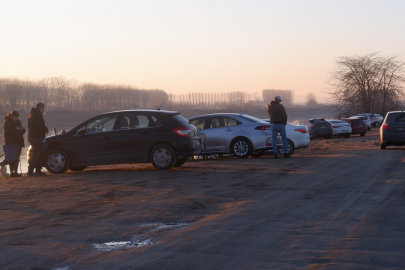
{"x": 163, "y": 157}
{"x": 290, "y": 148}
{"x": 241, "y": 148}
{"x": 57, "y": 161}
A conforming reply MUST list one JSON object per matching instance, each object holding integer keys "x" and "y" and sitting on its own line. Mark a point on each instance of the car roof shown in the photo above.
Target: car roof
{"x": 145, "y": 110}
{"x": 218, "y": 114}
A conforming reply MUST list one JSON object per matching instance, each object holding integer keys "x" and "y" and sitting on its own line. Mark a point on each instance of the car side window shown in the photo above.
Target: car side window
{"x": 101, "y": 124}
{"x": 156, "y": 121}
{"x": 217, "y": 122}
{"x": 135, "y": 120}
{"x": 231, "y": 122}
{"x": 199, "y": 122}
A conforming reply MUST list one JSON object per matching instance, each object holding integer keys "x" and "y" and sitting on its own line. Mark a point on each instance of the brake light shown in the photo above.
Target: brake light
{"x": 385, "y": 126}
{"x": 182, "y": 131}
{"x": 301, "y": 130}
{"x": 263, "y": 128}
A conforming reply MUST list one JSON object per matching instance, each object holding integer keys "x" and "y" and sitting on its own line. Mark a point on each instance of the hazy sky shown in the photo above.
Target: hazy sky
{"x": 183, "y": 46}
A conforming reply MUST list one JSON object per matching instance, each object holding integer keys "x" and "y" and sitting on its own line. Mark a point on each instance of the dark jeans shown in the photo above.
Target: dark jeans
{"x": 275, "y": 129}
{"x": 35, "y": 159}
{"x": 14, "y": 165}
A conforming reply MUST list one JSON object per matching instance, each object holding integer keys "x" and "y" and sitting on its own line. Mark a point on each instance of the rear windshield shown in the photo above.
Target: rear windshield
{"x": 251, "y": 118}
{"x": 396, "y": 117}
{"x": 180, "y": 119}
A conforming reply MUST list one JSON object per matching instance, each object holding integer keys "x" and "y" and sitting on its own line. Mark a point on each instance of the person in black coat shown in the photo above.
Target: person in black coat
{"x": 13, "y": 132}
{"x": 36, "y": 134}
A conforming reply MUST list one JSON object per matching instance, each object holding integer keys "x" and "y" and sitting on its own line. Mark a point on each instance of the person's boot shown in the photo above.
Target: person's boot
{"x": 30, "y": 172}
{"x": 39, "y": 173}
{"x": 286, "y": 156}
{"x": 276, "y": 156}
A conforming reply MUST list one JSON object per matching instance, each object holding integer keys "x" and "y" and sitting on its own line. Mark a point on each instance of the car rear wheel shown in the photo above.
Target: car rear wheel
{"x": 163, "y": 157}
{"x": 241, "y": 148}
{"x": 77, "y": 168}
{"x": 362, "y": 134}
{"x": 290, "y": 148}
{"x": 258, "y": 153}
{"x": 57, "y": 161}
{"x": 180, "y": 162}
{"x": 383, "y": 146}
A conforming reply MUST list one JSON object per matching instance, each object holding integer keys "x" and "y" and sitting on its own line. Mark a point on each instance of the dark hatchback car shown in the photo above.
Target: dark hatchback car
{"x": 358, "y": 125}
{"x": 392, "y": 131}
{"x": 164, "y": 138}
{"x": 317, "y": 128}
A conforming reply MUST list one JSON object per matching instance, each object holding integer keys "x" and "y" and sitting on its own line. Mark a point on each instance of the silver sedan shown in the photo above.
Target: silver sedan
{"x": 232, "y": 133}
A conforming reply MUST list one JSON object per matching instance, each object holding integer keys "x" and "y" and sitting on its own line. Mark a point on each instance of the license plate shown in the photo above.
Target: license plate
{"x": 401, "y": 128}
{"x": 360, "y": 126}
{"x": 323, "y": 127}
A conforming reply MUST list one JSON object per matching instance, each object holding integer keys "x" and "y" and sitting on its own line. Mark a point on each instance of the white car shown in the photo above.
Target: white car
{"x": 340, "y": 128}
{"x": 297, "y": 137}
{"x": 375, "y": 119}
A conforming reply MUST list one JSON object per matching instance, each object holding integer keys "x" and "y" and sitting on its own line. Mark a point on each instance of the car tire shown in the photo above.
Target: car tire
{"x": 290, "y": 148}
{"x": 383, "y": 146}
{"x": 77, "y": 168}
{"x": 241, "y": 148}
{"x": 362, "y": 134}
{"x": 57, "y": 161}
{"x": 163, "y": 157}
{"x": 180, "y": 162}
{"x": 258, "y": 153}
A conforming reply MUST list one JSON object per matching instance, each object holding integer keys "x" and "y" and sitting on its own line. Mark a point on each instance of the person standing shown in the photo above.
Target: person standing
{"x": 13, "y": 132}
{"x": 36, "y": 134}
{"x": 278, "y": 120}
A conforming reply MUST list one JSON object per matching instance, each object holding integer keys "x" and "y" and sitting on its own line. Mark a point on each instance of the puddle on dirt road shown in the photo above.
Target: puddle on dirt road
{"x": 111, "y": 246}
{"x": 164, "y": 226}
{"x": 151, "y": 227}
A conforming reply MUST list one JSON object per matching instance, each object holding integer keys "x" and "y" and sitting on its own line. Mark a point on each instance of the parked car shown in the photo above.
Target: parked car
{"x": 380, "y": 119}
{"x": 358, "y": 125}
{"x": 164, "y": 138}
{"x": 317, "y": 128}
{"x": 392, "y": 131}
{"x": 238, "y": 134}
{"x": 373, "y": 118}
{"x": 297, "y": 135}
{"x": 365, "y": 119}
{"x": 340, "y": 128}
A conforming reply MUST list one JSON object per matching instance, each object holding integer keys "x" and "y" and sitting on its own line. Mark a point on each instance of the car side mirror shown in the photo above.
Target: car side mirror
{"x": 81, "y": 132}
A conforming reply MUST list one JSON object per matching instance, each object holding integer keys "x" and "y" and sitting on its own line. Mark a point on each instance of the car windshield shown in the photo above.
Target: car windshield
{"x": 251, "y": 118}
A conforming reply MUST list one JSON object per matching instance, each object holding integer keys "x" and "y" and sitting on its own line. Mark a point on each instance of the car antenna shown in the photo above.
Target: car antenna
{"x": 162, "y": 105}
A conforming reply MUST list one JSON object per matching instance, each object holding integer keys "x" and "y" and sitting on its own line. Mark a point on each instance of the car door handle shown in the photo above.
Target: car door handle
{"x": 107, "y": 137}
{"x": 229, "y": 129}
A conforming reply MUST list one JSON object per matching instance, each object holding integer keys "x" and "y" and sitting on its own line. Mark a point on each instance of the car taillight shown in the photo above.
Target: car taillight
{"x": 301, "y": 130}
{"x": 335, "y": 126}
{"x": 385, "y": 126}
{"x": 263, "y": 128}
{"x": 182, "y": 131}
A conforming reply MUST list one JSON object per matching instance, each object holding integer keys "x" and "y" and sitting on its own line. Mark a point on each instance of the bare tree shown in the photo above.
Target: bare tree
{"x": 368, "y": 83}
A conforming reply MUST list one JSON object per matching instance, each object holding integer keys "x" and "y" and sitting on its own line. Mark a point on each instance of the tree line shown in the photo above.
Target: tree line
{"x": 59, "y": 93}
{"x": 213, "y": 100}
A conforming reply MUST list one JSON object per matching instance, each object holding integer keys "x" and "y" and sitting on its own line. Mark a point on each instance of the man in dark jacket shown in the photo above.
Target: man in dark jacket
{"x": 278, "y": 120}
{"x": 13, "y": 132}
{"x": 36, "y": 134}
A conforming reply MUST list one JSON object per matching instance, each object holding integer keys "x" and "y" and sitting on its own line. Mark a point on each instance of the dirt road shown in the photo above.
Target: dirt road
{"x": 340, "y": 204}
